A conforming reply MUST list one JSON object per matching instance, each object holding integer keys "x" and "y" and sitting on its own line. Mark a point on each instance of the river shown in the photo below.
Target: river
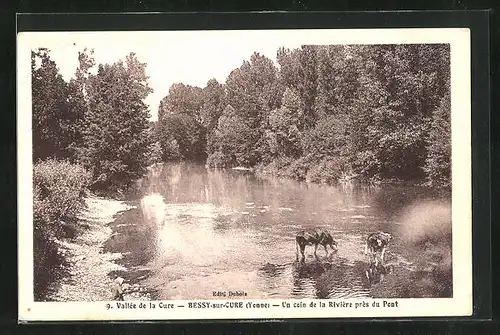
{"x": 195, "y": 231}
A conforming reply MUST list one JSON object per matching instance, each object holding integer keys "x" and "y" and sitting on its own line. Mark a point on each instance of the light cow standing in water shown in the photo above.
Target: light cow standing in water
{"x": 377, "y": 242}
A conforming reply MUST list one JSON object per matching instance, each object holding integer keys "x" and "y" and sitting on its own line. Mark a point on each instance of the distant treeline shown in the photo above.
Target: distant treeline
{"x": 375, "y": 112}
{"x": 322, "y": 113}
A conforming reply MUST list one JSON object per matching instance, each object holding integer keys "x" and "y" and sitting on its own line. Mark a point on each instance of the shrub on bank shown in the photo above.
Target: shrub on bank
{"x": 218, "y": 160}
{"x": 58, "y": 190}
{"x": 327, "y": 171}
{"x": 299, "y": 168}
{"x": 59, "y": 187}
{"x": 155, "y": 153}
{"x": 275, "y": 168}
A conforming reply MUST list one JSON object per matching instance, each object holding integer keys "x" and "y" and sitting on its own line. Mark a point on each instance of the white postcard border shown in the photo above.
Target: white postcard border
{"x": 459, "y": 305}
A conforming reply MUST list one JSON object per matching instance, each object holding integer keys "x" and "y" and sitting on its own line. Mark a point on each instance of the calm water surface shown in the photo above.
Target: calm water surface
{"x": 195, "y": 231}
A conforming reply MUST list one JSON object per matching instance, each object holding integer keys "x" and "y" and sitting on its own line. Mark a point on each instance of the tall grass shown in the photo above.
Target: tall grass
{"x": 58, "y": 191}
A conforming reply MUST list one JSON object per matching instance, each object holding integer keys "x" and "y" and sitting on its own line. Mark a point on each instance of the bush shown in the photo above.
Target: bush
{"x": 155, "y": 153}
{"x": 219, "y": 160}
{"x": 59, "y": 187}
{"x": 170, "y": 150}
{"x": 276, "y": 168}
{"x": 58, "y": 190}
{"x": 299, "y": 168}
{"x": 328, "y": 171}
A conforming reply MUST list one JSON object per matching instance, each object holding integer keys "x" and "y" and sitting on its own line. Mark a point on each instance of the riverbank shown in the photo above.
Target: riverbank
{"x": 329, "y": 173}
{"x": 87, "y": 266}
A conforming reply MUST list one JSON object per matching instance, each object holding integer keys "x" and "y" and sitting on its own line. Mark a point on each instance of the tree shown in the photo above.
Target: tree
{"x": 182, "y": 137}
{"x": 248, "y": 88}
{"x": 337, "y": 80}
{"x": 284, "y": 137}
{"x": 116, "y": 141}
{"x": 213, "y": 103}
{"x": 252, "y": 92}
{"x": 155, "y": 154}
{"x": 51, "y": 120}
{"x": 214, "y": 99}
{"x": 78, "y": 101}
{"x": 181, "y": 123}
{"x": 389, "y": 119}
{"x": 232, "y": 145}
{"x": 182, "y": 99}
{"x": 438, "y": 161}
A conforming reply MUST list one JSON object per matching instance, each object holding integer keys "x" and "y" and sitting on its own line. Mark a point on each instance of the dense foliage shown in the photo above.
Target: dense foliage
{"x": 52, "y": 119}
{"x": 321, "y": 113}
{"x": 375, "y": 112}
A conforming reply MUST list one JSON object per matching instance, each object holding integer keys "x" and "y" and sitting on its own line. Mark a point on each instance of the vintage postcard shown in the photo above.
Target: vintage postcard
{"x": 244, "y": 174}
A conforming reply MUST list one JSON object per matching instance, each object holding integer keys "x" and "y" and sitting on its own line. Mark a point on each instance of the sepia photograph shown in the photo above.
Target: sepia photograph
{"x": 204, "y": 166}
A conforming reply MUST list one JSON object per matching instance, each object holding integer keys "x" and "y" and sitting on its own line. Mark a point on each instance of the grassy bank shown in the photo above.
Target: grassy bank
{"x": 328, "y": 170}
{"x": 71, "y": 226}
{"x": 307, "y": 168}
{"x": 332, "y": 171}
{"x": 59, "y": 188}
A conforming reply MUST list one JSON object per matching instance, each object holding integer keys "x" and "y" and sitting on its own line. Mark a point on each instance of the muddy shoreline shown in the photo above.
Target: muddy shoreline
{"x": 89, "y": 268}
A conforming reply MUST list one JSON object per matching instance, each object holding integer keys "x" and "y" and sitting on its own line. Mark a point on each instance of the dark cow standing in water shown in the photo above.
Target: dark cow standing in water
{"x": 377, "y": 242}
{"x": 314, "y": 237}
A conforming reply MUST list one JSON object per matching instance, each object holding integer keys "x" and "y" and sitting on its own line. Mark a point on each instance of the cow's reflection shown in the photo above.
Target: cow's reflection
{"x": 311, "y": 269}
{"x": 273, "y": 270}
{"x": 375, "y": 273}
{"x": 315, "y": 258}
{"x": 326, "y": 278}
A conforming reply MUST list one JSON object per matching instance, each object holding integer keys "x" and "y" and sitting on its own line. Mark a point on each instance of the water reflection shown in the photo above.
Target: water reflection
{"x": 202, "y": 230}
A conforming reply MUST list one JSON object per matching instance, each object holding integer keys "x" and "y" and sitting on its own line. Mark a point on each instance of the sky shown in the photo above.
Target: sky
{"x": 192, "y": 60}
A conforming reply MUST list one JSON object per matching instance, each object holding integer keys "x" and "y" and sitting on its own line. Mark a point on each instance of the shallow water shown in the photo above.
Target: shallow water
{"x": 196, "y": 231}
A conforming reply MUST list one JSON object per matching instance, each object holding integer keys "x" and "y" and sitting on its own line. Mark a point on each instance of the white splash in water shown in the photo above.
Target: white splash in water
{"x": 362, "y": 206}
{"x": 288, "y": 209}
{"x": 154, "y": 208}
